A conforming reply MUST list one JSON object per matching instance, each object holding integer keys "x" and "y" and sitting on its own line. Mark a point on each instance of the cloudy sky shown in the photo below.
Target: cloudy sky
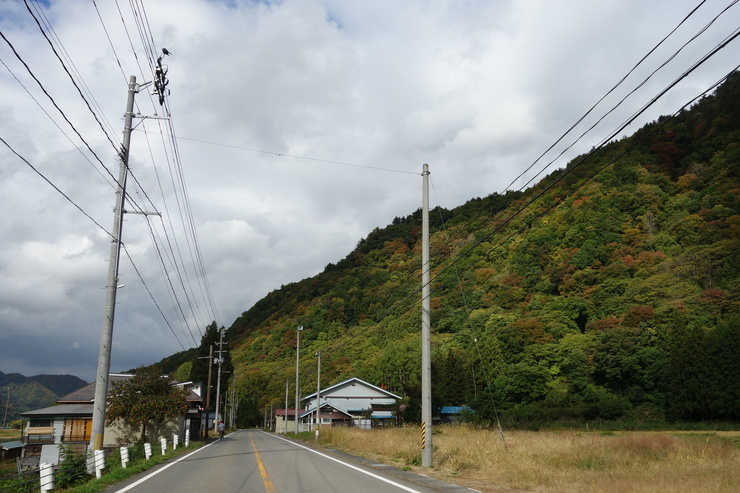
{"x": 296, "y": 127}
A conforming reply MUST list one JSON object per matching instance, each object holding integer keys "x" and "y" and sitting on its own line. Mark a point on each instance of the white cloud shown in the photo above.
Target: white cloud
{"x": 476, "y": 89}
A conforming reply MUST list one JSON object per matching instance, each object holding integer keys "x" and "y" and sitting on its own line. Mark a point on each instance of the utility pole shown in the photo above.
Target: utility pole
{"x": 219, "y": 361}
{"x": 232, "y": 406}
{"x": 106, "y": 336}
{"x": 285, "y": 416}
{"x": 318, "y": 396}
{"x": 297, "y": 364}
{"x": 208, "y": 391}
{"x": 7, "y": 405}
{"x": 426, "y": 337}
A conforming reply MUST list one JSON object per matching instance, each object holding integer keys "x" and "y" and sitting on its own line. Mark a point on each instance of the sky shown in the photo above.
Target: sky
{"x": 295, "y": 128}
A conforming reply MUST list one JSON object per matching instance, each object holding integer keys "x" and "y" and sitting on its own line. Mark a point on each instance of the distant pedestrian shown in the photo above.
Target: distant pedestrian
{"x": 221, "y": 428}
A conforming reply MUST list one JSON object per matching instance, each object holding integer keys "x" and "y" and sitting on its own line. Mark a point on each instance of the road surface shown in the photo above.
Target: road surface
{"x": 256, "y": 462}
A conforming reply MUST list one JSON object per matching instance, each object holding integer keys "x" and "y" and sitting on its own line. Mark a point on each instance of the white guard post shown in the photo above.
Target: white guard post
{"x": 148, "y": 450}
{"x": 99, "y": 463}
{"x": 124, "y": 456}
{"x": 46, "y": 474}
{"x": 175, "y": 439}
{"x": 163, "y": 442}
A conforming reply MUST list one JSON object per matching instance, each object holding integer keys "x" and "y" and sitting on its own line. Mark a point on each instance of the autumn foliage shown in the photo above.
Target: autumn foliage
{"x": 145, "y": 397}
{"x": 614, "y": 294}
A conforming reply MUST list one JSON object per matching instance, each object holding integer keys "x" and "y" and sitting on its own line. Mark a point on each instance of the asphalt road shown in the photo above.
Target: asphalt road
{"x": 256, "y": 462}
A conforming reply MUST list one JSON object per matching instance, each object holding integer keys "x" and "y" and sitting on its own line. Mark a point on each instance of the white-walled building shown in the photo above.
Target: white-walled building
{"x": 353, "y": 402}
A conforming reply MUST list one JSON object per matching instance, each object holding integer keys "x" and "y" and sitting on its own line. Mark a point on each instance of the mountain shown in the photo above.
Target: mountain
{"x": 609, "y": 290}
{"x": 21, "y": 393}
{"x": 59, "y": 384}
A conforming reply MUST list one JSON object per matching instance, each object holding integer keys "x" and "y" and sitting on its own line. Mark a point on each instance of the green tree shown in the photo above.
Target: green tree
{"x": 145, "y": 397}
{"x": 199, "y": 369}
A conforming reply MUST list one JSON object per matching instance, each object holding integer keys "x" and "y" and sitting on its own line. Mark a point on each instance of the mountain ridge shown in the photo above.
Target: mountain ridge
{"x": 22, "y": 393}
{"x": 608, "y": 290}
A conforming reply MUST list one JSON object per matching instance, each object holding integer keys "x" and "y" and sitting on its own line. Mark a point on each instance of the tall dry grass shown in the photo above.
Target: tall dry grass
{"x": 550, "y": 461}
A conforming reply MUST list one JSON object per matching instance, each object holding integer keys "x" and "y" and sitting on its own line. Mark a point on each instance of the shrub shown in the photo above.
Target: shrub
{"x": 72, "y": 469}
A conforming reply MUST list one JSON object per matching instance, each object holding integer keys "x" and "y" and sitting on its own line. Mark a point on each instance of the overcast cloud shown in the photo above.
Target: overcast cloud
{"x": 268, "y": 99}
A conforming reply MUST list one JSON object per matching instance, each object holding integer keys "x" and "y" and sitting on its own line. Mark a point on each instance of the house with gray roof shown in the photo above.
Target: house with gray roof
{"x": 353, "y": 402}
{"x": 69, "y": 423}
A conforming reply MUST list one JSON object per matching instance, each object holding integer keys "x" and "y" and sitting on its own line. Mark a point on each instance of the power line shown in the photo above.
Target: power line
{"x": 74, "y": 83}
{"x": 619, "y": 83}
{"x": 110, "y": 42}
{"x": 51, "y": 98}
{"x": 304, "y": 158}
{"x": 141, "y": 278}
{"x": 54, "y": 186}
{"x": 60, "y": 128}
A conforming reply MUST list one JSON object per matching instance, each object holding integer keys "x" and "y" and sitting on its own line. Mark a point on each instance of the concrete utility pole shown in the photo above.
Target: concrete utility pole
{"x": 219, "y": 361}
{"x": 232, "y": 407}
{"x": 297, "y": 364}
{"x": 106, "y": 335}
{"x": 285, "y": 416}
{"x": 208, "y": 391}
{"x": 426, "y": 337}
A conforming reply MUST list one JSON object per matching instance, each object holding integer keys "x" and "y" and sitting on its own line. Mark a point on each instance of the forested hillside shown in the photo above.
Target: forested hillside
{"x": 20, "y": 393}
{"x": 609, "y": 290}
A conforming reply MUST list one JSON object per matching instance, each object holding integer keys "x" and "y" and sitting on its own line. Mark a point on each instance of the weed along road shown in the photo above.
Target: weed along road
{"x": 254, "y": 461}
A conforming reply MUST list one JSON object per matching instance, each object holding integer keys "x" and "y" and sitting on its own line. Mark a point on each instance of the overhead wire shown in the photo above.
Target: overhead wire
{"x": 614, "y": 107}
{"x": 43, "y": 89}
{"x": 142, "y": 22}
{"x": 115, "y": 145}
{"x": 147, "y": 42}
{"x": 143, "y": 282}
{"x": 97, "y": 170}
{"x": 82, "y": 90}
{"x": 602, "y": 98}
{"x": 631, "y": 119}
{"x": 182, "y": 273}
{"x": 110, "y": 41}
{"x": 47, "y": 180}
{"x": 292, "y": 156}
{"x": 729, "y": 38}
{"x": 144, "y": 32}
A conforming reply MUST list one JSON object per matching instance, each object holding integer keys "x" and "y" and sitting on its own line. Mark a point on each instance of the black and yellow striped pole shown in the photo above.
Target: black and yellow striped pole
{"x": 423, "y": 435}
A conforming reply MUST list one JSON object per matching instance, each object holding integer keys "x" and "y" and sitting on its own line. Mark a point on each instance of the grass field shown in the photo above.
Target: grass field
{"x": 6, "y": 434}
{"x": 558, "y": 461}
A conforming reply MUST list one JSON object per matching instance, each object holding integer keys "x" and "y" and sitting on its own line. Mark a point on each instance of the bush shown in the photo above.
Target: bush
{"x": 72, "y": 469}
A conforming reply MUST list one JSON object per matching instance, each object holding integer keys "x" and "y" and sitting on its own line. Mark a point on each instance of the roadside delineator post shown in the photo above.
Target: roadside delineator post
{"x": 46, "y": 474}
{"x": 99, "y": 463}
{"x": 124, "y": 456}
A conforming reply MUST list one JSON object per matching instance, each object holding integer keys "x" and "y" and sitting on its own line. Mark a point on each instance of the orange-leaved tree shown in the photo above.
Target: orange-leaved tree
{"x": 145, "y": 397}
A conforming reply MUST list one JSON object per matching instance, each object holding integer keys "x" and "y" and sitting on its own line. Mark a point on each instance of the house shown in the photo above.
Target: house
{"x": 285, "y": 420}
{"x": 452, "y": 414}
{"x": 11, "y": 450}
{"x": 70, "y": 423}
{"x": 352, "y": 402}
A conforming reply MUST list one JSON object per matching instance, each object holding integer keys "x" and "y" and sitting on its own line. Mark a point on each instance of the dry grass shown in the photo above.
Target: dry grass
{"x": 568, "y": 461}
{"x": 7, "y": 434}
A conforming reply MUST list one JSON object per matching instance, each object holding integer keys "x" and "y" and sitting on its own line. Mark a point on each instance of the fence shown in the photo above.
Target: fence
{"x": 76, "y": 468}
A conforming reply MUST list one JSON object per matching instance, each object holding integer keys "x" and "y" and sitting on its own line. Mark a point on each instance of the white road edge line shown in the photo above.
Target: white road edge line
{"x": 405, "y": 488}
{"x": 148, "y": 476}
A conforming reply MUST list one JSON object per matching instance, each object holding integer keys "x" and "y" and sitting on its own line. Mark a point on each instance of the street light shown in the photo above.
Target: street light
{"x": 318, "y": 395}
{"x": 297, "y": 363}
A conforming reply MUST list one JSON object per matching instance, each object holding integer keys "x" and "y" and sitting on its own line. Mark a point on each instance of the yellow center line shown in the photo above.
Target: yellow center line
{"x": 269, "y": 488}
